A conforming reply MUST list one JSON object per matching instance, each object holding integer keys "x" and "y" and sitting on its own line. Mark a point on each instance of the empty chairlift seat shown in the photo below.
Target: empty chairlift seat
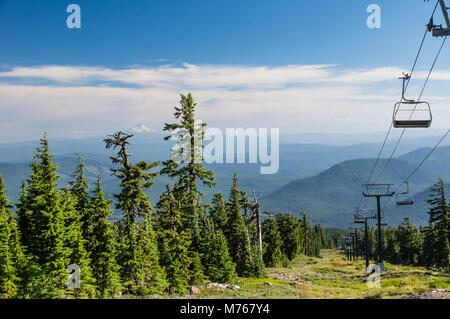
{"x": 404, "y": 200}
{"x": 411, "y": 113}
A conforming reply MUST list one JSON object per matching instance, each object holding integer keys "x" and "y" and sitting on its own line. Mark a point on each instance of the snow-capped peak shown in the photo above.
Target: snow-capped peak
{"x": 141, "y": 128}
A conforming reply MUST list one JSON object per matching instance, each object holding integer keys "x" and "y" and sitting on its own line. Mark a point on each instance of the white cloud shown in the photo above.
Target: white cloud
{"x": 209, "y": 75}
{"x": 83, "y": 101}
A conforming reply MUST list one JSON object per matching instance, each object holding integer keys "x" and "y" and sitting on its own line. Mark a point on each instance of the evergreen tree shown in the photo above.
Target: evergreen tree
{"x": 152, "y": 280}
{"x": 410, "y": 243}
{"x": 318, "y": 239}
{"x": 188, "y": 150}
{"x": 219, "y": 212}
{"x": 321, "y": 236}
{"x": 173, "y": 243}
{"x": 41, "y": 221}
{"x": 219, "y": 266}
{"x": 134, "y": 203}
{"x": 79, "y": 189}
{"x": 289, "y": 228}
{"x": 272, "y": 244}
{"x": 104, "y": 246}
{"x": 430, "y": 246}
{"x": 10, "y": 249}
{"x": 76, "y": 243}
{"x": 23, "y": 215}
{"x": 391, "y": 249}
{"x": 238, "y": 240}
{"x": 186, "y": 166}
{"x": 440, "y": 218}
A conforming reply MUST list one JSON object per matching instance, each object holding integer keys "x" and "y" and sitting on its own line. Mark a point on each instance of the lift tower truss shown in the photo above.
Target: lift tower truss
{"x": 439, "y": 30}
{"x": 362, "y": 219}
{"x": 378, "y": 191}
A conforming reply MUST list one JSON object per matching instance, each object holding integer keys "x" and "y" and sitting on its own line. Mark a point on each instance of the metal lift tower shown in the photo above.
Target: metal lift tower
{"x": 362, "y": 219}
{"x": 378, "y": 191}
{"x": 439, "y": 30}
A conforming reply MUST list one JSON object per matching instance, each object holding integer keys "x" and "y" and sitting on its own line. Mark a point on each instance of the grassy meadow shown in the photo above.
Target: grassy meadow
{"x": 332, "y": 276}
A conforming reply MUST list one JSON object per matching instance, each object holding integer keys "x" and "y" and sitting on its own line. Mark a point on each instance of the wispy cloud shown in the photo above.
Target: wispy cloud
{"x": 189, "y": 75}
{"x": 93, "y": 100}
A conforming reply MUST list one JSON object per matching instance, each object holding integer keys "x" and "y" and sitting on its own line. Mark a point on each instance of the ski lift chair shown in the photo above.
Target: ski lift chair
{"x": 411, "y": 113}
{"x": 406, "y": 201}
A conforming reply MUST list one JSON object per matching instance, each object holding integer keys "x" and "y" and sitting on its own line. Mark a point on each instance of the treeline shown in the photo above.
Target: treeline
{"x": 423, "y": 246}
{"x": 285, "y": 237}
{"x": 167, "y": 248}
{"x": 407, "y": 244}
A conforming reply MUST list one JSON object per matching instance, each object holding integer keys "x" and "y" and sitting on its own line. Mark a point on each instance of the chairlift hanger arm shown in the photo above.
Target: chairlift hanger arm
{"x": 405, "y": 77}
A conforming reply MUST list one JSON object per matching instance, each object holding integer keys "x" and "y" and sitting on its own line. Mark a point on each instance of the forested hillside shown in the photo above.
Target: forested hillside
{"x": 315, "y": 161}
{"x": 158, "y": 247}
{"x": 330, "y": 196}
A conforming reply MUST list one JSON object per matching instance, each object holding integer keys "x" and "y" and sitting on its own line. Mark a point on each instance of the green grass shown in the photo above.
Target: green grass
{"x": 331, "y": 276}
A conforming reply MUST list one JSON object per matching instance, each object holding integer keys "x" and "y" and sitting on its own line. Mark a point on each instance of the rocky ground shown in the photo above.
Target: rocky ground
{"x": 433, "y": 294}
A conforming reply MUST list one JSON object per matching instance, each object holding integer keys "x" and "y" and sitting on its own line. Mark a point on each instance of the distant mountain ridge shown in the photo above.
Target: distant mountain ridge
{"x": 330, "y": 197}
{"x": 323, "y": 180}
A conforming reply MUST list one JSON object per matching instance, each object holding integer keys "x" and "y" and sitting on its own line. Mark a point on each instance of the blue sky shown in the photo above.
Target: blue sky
{"x": 126, "y": 50}
{"x": 119, "y": 33}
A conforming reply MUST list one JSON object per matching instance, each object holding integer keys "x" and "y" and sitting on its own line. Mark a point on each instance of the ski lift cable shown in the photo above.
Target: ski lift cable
{"x": 420, "y": 164}
{"x": 424, "y": 160}
{"x": 406, "y": 86}
{"x": 420, "y": 96}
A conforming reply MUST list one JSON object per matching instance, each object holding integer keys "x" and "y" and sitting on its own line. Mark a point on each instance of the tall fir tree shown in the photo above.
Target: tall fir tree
{"x": 219, "y": 266}
{"x": 410, "y": 243}
{"x": 237, "y": 235}
{"x": 153, "y": 278}
{"x": 219, "y": 212}
{"x": 11, "y": 253}
{"x": 289, "y": 229}
{"x": 76, "y": 243}
{"x": 272, "y": 244}
{"x": 104, "y": 247}
{"x": 80, "y": 191}
{"x": 440, "y": 219}
{"x": 430, "y": 245}
{"x": 23, "y": 215}
{"x": 41, "y": 221}
{"x": 134, "y": 203}
{"x": 173, "y": 243}
{"x": 186, "y": 167}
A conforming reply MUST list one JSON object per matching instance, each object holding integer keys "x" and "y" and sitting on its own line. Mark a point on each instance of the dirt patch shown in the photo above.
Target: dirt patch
{"x": 286, "y": 277}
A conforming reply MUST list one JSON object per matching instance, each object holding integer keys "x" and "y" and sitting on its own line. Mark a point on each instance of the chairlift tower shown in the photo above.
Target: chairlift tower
{"x": 439, "y": 30}
{"x": 362, "y": 219}
{"x": 378, "y": 191}
{"x": 352, "y": 246}
{"x": 353, "y": 231}
{"x": 346, "y": 246}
